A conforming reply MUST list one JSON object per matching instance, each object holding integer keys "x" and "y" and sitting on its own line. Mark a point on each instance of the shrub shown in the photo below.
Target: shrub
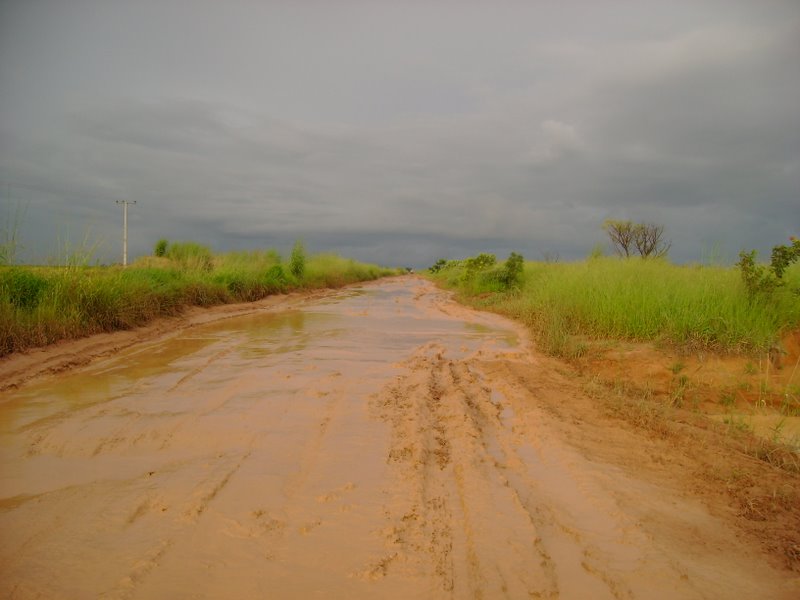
{"x": 297, "y": 261}
{"x": 275, "y": 278}
{"x": 160, "y": 248}
{"x": 438, "y": 265}
{"x": 760, "y": 279}
{"x": 512, "y": 271}
{"x": 480, "y": 262}
{"x": 22, "y": 288}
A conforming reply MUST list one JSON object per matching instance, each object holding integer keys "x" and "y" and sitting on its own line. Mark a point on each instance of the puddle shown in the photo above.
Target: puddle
{"x": 357, "y": 334}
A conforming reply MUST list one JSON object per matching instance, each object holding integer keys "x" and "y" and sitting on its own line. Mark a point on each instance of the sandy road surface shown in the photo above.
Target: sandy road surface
{"x": 373, "y": 444}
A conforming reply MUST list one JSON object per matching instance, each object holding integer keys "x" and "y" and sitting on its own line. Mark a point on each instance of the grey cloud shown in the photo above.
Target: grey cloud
{"x": 403, "y": 133}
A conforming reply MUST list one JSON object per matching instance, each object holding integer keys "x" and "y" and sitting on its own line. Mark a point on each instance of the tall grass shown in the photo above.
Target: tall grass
{"x": 688, "y": 306}
{"x": 42, "y": 305}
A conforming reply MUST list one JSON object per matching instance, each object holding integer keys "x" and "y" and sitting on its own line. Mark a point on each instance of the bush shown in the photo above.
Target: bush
{"x": 438, "y": 265}
{"x": 275, "y": 278}
{"x": 503, "y": 277}
{"x": 512, "y": 271}
{"x": 22, "y": 288}
{"x": 758, "y": 279}
{"x": 160, "y": 248}
{"x": 297, "y": 262}
{"x": 763, "y": 280}
{"x": 479, "y": 263}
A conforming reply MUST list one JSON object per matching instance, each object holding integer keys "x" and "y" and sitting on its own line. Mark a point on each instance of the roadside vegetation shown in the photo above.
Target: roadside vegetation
{"x": 42, "y": 305}
{"x": 743, "y": 309}
{"x": 704, "y": 358}
{"x": 722, "y": 340}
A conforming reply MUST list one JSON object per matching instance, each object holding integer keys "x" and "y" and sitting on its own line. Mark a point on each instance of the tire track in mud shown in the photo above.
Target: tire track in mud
{"x": 489, "y": 507}
{"x": 205, "y": 493}
{"x": 204, "y": 367}
{"x": 55, "y": 433}
{"x": 443, "y": 423}
{"x": 269, "y": 527}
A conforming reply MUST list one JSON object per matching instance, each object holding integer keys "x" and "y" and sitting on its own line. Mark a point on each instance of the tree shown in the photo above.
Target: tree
{"x": 621, "y": 234}
{"x": 646, "y": 239}
{"x": 783, "y": 256}
{"x": 649, "y": 240}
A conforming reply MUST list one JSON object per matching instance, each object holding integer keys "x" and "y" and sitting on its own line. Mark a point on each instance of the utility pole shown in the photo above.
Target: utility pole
{"x": 125, "y": 204}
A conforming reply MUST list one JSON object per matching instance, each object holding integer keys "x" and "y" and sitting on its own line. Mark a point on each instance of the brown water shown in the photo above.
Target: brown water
{"x": 356, "y": 447}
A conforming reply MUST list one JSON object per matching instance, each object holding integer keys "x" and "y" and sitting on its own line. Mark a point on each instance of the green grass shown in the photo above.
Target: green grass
{"x": 42, "y": 305}
{"x": 693, "y": 307}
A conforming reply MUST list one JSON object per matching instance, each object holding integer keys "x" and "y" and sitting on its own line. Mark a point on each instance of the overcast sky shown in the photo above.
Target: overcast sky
{"x": 399, "y": 132}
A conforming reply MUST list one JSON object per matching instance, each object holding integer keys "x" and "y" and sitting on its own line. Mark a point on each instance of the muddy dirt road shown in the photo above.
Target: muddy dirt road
{"x": 372, "y": 444}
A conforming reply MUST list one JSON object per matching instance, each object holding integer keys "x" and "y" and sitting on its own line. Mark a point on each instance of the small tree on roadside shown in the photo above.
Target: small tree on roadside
{"x": 648, "y": 238}
{"x": 783, "y": 256}
{"x": 621, "y": 234}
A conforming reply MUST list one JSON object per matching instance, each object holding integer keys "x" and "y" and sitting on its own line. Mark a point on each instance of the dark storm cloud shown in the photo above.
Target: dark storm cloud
{"x": 402, "y": 132}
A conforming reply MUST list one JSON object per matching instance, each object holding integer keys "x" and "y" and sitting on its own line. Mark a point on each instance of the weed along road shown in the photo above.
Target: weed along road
{"x": 378, "y": 442}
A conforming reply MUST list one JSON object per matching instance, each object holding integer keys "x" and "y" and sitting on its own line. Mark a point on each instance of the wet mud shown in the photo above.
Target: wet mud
{"x": 369, "y": 444}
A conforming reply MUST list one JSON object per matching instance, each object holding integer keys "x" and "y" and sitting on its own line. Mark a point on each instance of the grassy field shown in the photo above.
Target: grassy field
{"x": 691, "y": 307}
{"x": 41, "y": 305}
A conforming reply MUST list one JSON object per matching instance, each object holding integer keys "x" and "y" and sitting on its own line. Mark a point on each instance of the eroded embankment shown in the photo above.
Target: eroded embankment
{"x": 379, "y": 442}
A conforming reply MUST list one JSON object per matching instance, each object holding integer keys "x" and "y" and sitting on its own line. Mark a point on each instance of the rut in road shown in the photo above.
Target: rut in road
{"x": 469, "y": 509}
{"x": 447, "y": 445}
{"x": 381, "y": 442}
